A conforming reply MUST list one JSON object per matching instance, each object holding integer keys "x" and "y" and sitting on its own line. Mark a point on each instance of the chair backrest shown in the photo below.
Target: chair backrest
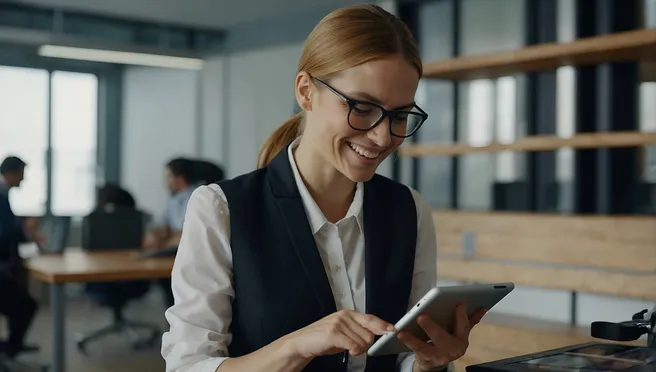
{"x": 113, "y": 229}
{"x": 56, "y": 231}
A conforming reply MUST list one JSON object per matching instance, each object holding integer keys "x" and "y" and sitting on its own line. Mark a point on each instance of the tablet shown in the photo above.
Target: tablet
{"x": 440, "y": 304}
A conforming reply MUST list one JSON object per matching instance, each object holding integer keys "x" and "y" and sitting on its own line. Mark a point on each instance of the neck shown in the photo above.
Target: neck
{"x": 332, "y": 192}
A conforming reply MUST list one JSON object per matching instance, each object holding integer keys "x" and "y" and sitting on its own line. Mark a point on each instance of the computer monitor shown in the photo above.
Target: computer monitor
{"x": 113, "y": 229}
{"x": 55, "y": 230}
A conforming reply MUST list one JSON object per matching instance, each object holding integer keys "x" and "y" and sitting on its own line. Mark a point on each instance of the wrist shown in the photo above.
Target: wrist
{"x": 291, "y": 352}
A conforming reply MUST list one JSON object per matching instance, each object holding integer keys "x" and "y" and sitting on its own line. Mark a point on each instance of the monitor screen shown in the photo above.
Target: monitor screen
{"x": 599, "y": 357}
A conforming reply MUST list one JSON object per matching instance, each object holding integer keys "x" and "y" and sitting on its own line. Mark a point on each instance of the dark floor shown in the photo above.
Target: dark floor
{"x": 113, "y": 353}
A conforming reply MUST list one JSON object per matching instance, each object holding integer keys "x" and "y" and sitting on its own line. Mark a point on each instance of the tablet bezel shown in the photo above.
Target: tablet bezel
{"x": 440, "y": 303}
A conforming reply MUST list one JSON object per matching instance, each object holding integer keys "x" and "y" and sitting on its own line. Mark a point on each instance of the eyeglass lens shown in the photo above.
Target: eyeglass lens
{"x": 364, "y": 116}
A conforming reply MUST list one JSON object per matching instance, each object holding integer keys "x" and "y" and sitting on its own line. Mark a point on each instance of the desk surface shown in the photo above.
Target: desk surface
{"x": 75, "y": 266}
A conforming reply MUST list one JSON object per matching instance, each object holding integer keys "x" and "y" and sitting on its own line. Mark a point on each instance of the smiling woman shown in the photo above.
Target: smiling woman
{"x": 298, "y": 265}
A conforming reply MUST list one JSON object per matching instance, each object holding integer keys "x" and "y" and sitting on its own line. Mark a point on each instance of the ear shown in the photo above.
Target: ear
{"x": 304, "y": 87}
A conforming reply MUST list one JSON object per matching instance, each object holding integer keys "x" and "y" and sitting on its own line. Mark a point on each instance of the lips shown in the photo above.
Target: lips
{"x": 364, "y": 152}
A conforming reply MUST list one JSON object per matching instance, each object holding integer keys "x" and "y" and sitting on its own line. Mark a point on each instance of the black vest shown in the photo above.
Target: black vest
{"x": 279, "y": 280}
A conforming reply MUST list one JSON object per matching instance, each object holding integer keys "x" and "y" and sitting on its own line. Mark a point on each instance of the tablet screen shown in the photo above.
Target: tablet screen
{"x": 594, "y": 358}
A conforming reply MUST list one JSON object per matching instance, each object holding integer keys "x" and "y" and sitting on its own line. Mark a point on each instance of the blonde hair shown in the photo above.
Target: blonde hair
{"x": 345, "y": 38}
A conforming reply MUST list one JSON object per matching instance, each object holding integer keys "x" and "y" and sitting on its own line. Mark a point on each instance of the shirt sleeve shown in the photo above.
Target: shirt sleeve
{"x": 198, "y": 338}
{"x": 425, "y": 272}
{"x": 161, "y": 219}
{"x": 10, "y": 227}
{"x": 6, "y": 219}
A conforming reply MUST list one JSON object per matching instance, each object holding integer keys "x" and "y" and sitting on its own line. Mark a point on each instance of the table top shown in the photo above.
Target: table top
{"x": 78, "y": 266}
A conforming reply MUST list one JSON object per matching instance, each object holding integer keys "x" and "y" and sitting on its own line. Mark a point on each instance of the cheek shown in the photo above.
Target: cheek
{"x": 396, "y": 142}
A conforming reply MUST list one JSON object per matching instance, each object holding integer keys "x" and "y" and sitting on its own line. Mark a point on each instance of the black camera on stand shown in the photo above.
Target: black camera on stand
{"x": 640, "y": 324}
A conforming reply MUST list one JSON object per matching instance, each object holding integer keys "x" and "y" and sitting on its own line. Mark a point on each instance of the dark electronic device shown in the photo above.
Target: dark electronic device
{"x": 593, "y": 356}
{"x": 642, "y": 323}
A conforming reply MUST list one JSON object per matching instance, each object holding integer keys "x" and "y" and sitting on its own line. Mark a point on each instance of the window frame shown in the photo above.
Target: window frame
{"x": 109, "y": 109}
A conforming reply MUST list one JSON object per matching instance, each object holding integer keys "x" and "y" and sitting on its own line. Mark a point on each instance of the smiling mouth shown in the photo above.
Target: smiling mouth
{"x": 363, "y": 152}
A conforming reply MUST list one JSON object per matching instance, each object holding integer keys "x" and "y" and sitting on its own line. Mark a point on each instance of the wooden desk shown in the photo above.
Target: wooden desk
{"x": 77, "y": 266}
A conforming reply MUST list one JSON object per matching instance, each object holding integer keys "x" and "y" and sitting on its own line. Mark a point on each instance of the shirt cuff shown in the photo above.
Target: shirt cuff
{"x": 407, "y": 361}
{"x": 209, "y": 365}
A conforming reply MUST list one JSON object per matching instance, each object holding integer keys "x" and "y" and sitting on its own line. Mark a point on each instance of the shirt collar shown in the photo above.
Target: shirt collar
{"x": 315, "y": 215}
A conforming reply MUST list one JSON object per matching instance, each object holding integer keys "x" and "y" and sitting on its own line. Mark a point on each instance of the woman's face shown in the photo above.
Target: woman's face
{"x": 390, "y": 83}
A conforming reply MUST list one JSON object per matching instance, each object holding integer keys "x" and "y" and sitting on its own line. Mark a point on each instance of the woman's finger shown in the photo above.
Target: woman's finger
{"x": 373, "y": 323}
{"x": 463, "y": 326}
{"x": 344, "y": 338}
{"x": 477, "y": 317}
{"x": 363, "y": 333}
{"x": 439, "y": 337}
{"x": 413, "y": 343}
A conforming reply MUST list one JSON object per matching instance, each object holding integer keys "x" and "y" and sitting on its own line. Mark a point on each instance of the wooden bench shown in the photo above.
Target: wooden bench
{"x": 604, "y": 255}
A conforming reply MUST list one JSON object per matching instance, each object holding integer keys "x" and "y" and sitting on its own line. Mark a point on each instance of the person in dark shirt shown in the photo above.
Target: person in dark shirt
{"x": 15, "y": 301}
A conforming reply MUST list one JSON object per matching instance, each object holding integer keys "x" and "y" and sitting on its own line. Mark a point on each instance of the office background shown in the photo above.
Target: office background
{"x": 80, "y": 124}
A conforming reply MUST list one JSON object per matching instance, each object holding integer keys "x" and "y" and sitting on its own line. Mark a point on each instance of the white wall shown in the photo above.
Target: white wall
{"x": 159, "y": 123}
{"x": 169, "y": 113}
{"x": 261, "y": 98}
{"x": 212, "y": 110}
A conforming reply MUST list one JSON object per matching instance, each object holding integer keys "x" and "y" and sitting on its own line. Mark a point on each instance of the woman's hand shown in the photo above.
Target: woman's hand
{"x": 442, "y": 347}
{"x": 343, "y": 330}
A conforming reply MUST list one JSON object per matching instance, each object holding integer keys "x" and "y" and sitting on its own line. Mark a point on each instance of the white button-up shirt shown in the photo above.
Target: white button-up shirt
{"x": 199, "y": 321}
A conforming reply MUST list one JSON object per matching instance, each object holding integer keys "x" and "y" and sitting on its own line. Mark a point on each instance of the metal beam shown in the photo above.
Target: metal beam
{"x": 541, "y": 22}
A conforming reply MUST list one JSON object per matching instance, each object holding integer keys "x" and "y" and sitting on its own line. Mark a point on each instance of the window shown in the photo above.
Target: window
{"x": 74, "y": 140}
{"x": 27, "y": 118}
{"x": 24, "y": 133}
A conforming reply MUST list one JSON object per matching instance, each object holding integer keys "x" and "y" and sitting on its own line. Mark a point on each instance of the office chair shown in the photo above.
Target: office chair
{"x": 116, "y": 229}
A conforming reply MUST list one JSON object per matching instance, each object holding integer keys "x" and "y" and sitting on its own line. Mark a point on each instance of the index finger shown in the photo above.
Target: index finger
{"x": 463, "y": 325}
{"x": 373, "y": 323}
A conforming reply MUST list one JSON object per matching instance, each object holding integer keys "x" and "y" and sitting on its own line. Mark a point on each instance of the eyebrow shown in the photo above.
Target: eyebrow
{"x": 370, "y": 98}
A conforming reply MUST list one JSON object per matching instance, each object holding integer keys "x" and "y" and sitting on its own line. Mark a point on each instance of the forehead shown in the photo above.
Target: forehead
{"x": 392, "y": 81}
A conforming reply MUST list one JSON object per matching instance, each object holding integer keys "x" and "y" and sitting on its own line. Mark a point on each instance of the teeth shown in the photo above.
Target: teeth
{"x": 363, "y": 152}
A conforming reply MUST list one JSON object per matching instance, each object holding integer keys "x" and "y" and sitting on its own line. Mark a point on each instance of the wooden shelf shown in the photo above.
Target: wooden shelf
{"x": 621, "y": 46}
{"x": 536, "y": 143}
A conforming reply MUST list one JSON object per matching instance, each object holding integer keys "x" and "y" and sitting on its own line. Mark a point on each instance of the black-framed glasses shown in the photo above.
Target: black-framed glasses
{"x": 364, "y": 116}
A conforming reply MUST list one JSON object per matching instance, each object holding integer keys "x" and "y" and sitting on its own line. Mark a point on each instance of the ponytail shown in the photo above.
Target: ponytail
{"x": 282, "y": 137}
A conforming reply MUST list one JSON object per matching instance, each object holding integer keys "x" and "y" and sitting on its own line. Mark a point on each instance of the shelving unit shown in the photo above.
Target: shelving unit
{"x": 576, "y": 253}
{"x": 638, "y": 45}
{"x": 622, "y": 46}
{"x": 537, "y": 143}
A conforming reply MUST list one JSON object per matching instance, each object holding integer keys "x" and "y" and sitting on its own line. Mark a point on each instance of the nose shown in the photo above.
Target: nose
{"x": 380, "y": 135}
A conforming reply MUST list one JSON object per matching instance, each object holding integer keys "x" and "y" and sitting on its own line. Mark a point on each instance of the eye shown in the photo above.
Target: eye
{"x": 361, "y": 109}
{"x": 402, "y": 116}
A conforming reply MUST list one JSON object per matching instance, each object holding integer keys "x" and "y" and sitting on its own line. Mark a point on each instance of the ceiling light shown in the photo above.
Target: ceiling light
{"x": 125, "y": 58}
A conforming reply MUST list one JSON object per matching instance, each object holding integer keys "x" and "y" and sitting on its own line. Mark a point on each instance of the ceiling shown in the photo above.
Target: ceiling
{"x": 216, "y": 14}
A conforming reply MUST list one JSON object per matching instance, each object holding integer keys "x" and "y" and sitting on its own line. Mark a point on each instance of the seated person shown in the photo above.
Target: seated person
{"x": 16, "y": 305}
{"x": 181, "y": 180}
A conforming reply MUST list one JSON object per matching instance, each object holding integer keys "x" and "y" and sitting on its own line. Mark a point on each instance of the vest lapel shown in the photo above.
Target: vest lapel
{"x": 376, "y": 250}
{"x": 292, "y": 213}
